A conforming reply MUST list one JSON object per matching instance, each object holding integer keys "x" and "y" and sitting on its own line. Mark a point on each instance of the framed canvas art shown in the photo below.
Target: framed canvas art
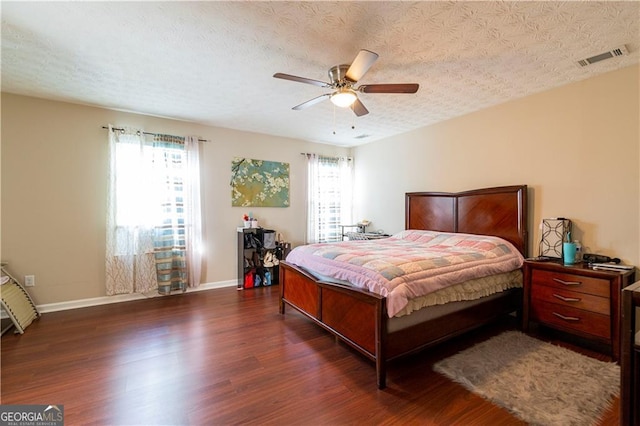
{"x": 259, "y": 183}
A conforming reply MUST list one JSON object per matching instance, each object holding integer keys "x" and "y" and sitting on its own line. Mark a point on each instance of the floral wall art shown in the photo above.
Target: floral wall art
{"x": 259, "y": 183}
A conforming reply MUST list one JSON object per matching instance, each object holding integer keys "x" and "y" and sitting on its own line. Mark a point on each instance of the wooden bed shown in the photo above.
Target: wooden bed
{"x": 359, "y": 317}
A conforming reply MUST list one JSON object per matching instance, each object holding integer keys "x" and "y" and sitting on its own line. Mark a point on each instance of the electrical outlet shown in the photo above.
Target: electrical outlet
{"x": 29, "y": 280}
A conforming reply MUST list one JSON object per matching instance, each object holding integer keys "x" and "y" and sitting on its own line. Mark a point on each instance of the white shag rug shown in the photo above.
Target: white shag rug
{"x": 540, "y": 383}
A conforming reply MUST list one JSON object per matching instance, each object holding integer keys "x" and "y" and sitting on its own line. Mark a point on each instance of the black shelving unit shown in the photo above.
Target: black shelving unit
{"x": 252, "y": 271}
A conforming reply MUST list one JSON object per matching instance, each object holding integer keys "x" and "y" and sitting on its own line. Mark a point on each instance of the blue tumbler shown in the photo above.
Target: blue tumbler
{"x": 569, "y": 253}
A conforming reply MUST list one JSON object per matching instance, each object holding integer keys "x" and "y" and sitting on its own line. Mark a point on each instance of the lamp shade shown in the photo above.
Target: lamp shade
{"x": 344, "y": 98}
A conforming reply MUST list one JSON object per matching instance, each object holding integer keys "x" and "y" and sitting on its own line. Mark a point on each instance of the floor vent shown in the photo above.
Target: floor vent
{"x": 619, "y": 51}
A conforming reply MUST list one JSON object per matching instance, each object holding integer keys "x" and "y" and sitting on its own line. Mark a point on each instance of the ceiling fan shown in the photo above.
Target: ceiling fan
{"x": 343, "y": 80}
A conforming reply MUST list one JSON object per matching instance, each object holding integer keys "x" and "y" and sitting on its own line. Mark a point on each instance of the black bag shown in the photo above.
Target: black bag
{"x": 251, "y": 242}
{"x": 248, "y": 241}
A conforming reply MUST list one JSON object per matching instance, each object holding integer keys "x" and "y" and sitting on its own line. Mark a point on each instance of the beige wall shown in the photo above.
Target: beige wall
{"x": 54, "y": 165}
{"x": 577, "y": 147}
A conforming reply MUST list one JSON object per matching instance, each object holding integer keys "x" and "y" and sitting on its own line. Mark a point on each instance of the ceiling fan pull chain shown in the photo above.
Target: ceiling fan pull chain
{"x": 334, "y": 119}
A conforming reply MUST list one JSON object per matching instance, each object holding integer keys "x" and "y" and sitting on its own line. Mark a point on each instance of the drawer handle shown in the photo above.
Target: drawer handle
{"x": 565, "y": 317}
{"x": 566, "y": 299}
{"x": 568, "y": 283}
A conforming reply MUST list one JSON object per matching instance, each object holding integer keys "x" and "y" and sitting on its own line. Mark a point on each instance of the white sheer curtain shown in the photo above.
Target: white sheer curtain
{"x": 130, "y": 260}
{"x": 154, "y": 225}
{"x": 193, "y": 214}
{"x": 329, "y": 197}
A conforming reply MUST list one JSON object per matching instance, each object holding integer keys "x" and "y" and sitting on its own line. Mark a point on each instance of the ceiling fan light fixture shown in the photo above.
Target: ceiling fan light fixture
{"x": 344, "y": 98}
{"x": 342, "y": 80}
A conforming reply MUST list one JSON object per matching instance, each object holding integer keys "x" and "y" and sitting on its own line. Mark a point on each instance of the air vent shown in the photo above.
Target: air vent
{"x": 619, "y": 51}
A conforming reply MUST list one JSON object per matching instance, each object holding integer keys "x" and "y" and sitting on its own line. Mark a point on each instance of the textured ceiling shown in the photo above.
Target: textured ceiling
{"x": 213, "y": 62}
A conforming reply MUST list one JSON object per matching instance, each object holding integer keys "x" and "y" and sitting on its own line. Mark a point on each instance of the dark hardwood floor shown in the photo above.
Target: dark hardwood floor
{"x": 227, "y": 357}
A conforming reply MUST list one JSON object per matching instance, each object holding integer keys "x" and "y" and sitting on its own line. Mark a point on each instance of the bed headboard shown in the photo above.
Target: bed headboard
{"x": 500, "y": 211}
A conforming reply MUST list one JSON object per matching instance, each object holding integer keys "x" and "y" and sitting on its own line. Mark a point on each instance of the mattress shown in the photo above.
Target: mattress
{"x": 470, "y": 290}
{"x": 413, "y": 264}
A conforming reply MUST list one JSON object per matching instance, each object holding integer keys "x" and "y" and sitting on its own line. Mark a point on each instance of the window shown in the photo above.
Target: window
{"x": 329, "y": 197}
{"x": 149, "y": 180}
{"x": 153, "y": 218}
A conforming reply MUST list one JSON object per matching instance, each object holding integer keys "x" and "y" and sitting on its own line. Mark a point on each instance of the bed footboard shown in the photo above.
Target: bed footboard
{"x": 352, "y": 315}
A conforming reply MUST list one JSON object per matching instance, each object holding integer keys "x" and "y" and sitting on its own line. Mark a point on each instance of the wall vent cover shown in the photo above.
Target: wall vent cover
{"x": 618, "y": 51}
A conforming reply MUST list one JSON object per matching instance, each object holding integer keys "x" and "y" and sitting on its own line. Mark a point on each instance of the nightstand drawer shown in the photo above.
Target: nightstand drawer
{"x": 574, "y": 299}
{"x": 573, "y": 282}
{"x": 572, "y": 319}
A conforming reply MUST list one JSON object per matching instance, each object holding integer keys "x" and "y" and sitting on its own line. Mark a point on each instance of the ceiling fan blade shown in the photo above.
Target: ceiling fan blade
{"x": 301, "y": 79}
{"x": 389, "y": 88}
{"x": 359, "y": 109}
{"x": 311, "y": 102}
{"x": 361, "y": 65}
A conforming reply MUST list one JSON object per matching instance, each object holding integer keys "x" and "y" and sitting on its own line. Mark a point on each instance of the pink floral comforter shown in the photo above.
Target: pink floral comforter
{"x": 409, "y": 264}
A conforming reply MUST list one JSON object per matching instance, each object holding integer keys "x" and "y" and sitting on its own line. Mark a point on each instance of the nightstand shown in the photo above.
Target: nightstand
{"x": 575, "y": 299}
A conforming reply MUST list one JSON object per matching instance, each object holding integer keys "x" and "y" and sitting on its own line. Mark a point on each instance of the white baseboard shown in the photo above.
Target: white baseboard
{"x": 104, "y": 300}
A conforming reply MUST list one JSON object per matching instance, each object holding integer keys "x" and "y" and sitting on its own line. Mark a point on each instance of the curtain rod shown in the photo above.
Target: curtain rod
{"x": 148, "y": 133}
{"x": 306, "y": 154}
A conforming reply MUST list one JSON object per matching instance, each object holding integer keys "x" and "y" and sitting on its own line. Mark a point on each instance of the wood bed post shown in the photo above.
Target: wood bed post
{"x": 381, "y": 343}
{"x": 281, "y": 303}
